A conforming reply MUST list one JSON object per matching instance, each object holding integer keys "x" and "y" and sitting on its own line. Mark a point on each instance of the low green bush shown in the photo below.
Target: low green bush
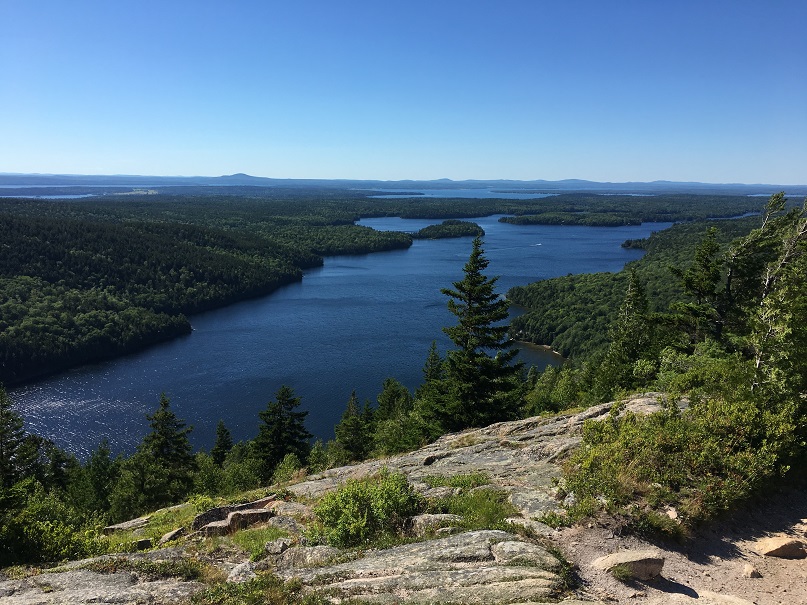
{"x": 481, "y": 508}
{"x": 469, "y": 481}
{"x": 365, "y": 509}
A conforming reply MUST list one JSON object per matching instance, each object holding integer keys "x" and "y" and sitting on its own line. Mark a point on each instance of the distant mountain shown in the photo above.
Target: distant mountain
{"x": 240, "y": 179}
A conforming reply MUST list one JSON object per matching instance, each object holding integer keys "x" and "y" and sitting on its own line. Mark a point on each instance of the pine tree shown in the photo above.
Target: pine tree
{"x": 12, "y": 440}
{"x": 631, "y": 337}
{"x": 352, "y": 433}
{"x": 282, "y": 432}
{"x": 394, "y": 401}
{"x": 168, "y": 446}
{"x": 481, "y": 384}
{"x": 223, "y": 444}
{"x": 102, "y": 471}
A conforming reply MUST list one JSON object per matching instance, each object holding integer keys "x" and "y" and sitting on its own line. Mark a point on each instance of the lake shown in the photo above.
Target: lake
{"x": 348, "y": 325}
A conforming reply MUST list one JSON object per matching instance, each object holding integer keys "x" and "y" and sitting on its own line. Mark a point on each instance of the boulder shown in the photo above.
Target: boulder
{"x": 243, "y": 572}
{"x": 421, "y": 525}
{"x": 126, "y": 526}
{"x": 783, "y": 547}
{"x": 308, "y": 556}
{"x": 636, "y": 564}
{"x": 277, "y": 547}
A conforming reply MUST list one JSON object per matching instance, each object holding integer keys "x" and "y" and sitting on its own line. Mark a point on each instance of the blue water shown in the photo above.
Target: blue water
{"x": 348, "y": 325}
{"x": 457, "y": 193}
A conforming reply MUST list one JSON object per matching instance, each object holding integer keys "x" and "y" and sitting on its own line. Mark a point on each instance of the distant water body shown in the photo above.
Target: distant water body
{"x": 460, "y": 193}
{"x": 348, "y": 325}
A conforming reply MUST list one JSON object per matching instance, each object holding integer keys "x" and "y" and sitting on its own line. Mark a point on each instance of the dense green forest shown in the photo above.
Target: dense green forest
{"x": 732, "y": 338}
{"x": 450, "y": 228}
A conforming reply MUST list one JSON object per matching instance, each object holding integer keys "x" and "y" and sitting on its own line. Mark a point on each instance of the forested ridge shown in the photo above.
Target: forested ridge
{"x": 87, "y": 281}
{"x": 571, "y": 314}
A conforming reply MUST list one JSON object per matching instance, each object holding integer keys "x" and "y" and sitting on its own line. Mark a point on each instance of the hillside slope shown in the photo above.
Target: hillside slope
{"x": 442, "y": 560}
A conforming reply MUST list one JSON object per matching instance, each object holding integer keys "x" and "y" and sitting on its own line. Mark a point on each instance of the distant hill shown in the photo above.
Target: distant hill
{"x": 540, "y": 185}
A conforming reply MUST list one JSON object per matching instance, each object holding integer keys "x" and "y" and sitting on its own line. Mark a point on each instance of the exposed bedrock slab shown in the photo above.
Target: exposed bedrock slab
{"x": 485, "y": 566}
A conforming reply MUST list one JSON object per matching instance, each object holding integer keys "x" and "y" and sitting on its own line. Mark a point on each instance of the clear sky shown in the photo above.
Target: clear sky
{"x": 616, "y": 90}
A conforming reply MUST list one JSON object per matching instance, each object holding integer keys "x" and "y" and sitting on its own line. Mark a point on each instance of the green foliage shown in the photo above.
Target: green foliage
{"x": 254, "y": 541}
{"x": 210, "y": 478}
{"x": 13, "y": 457}
{"x": 574, "y": 314}
{"x": 282, "y": 431}
{"x": 183, "y": 569}
{"x": 41, "y": 527}
{"x": 481, "y": 384}
{"x": 480, "y": 508}
{"x": 466, "y": 482}
{"x": 318, "y": 458}
{"x": 353, "y": 432}
{"x": 450, "y": 228}
{"x": 242, "y": 471}
{"x": 223, "y": 444}
{"x": 287, "y": 469}
{"x": 160, "y": 473}
{"x": 266, "y": 589}
{"x": 362, "y": 510}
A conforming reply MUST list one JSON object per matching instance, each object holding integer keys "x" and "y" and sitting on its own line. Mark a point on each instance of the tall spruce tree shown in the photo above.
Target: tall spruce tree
{"x": 282, "y": 432}
{"x": 223, "y": 444}
{"x": 12, "y": 442}
{"x": 161, "y": 470}
{"x": 352, "y": 432}
{"x": 481, "y": 383}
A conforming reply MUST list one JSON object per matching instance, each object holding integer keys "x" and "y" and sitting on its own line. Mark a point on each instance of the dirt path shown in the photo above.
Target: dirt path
{"x": 712, "y": 561}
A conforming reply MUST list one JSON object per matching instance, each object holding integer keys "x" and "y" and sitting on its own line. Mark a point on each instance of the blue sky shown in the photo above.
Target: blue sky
{"x": 619, "y": 90}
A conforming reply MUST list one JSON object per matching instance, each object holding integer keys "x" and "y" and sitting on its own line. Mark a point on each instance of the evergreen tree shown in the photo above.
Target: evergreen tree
{"x": 352, "y": 433}
{"x": 168, "y": 443}
{"x": 317, "y": 458}
{"x": 394, "y": 401}
{"x": 160, "y": 472}
{"x": 102, "y": 472}
{"x": 282, "y": 432}
{"x": 223, "y": 444}
{"x": 481, "y": 384}
{"x": 630, "y": 338}
{"x": 13, "y": 454}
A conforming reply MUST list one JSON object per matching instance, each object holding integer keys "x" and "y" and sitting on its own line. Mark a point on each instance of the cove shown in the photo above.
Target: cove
{"x": 348, "y": 325}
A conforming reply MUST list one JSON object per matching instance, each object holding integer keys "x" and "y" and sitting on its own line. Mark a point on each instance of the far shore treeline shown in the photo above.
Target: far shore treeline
{"x": 716, "y": 312}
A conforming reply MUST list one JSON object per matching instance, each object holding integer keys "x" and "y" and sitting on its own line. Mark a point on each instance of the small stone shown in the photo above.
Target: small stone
{"x": 142, "y": 544}
{"x": 749, "y": 571}
{"x": 277, "y": 547}
{"x": 171, "y": 535}
{"x": 243, "y": 572}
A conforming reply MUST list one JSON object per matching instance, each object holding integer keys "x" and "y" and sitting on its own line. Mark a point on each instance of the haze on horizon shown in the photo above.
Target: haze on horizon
{"x": 688, "y": 91}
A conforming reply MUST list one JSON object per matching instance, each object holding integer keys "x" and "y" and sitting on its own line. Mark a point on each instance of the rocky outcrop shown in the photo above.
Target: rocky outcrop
{"x": 471, "y": 567}
{"x": 79, "y": 587}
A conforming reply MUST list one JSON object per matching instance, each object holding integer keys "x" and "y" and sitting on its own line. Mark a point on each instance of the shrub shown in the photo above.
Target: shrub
{"x": 481, "y": 508}
{"x": 287, "y": 469}
{"x": 361, "y": 510}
